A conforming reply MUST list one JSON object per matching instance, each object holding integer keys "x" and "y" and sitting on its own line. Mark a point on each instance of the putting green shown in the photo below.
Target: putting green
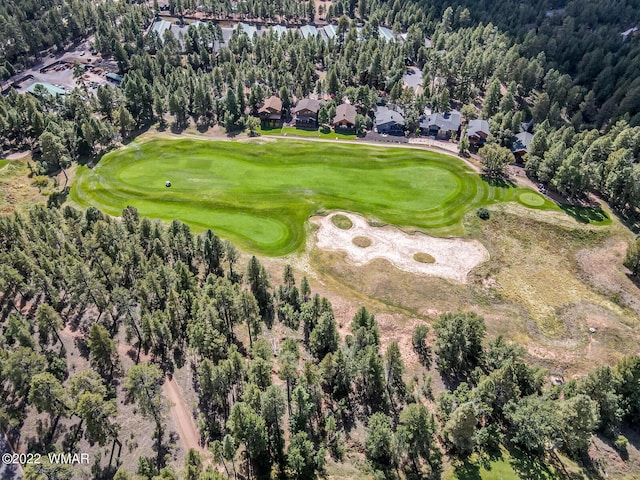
{"x": 531, "y": 199}
{"x": 260, "y": 194}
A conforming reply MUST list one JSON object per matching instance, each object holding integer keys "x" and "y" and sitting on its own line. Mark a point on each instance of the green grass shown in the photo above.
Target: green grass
{"x": 309, "y": 133}
{"x": 260, "y": 194}
{"x": 512, "y": 465}
{"x": 3, "y": 163}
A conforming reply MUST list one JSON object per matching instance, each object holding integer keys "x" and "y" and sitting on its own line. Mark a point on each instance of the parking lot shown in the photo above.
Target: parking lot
{"x": 58, "y": 71}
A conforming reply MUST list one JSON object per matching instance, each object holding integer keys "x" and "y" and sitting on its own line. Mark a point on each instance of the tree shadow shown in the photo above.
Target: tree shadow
{"x": 531, "y": 467}
{"x": 585, "y": 214}
{"x": 498, "y": 182}
{"x": 467, "y": 470}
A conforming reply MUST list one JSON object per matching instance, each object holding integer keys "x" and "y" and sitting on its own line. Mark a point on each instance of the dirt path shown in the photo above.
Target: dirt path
{"x": 181, "y": 415}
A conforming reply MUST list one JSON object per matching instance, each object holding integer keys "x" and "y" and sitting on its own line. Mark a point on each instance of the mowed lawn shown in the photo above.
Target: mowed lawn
{"x": 260, "y": 194}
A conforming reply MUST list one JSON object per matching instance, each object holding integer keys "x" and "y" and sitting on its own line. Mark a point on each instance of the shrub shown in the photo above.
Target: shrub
{"x": 483, "y": 213}
{"x": 621, "y": 443}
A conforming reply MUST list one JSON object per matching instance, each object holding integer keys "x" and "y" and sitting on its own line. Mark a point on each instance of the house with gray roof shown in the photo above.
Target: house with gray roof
{"x": 440, "y": 125}
{"x": 389, "y": 121}
{"x": 521, "y": 145}
{"x": 477, "y": 132}
{"x": 160, "y": 27}
{"x": 386, "y": 34}
{"x": 308, "y": 31}
{"x": 250, "y": 30}
{"x": 329, "y": 32}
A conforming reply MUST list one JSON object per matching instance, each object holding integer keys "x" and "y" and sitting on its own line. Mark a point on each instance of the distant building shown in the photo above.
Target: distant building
{"x": 389, "y": 121}
{"x": 477, "y": 132}
{"x": 114, "y": 78}
{"x": 250, "y": 30}
{"x": 308, "y": 31}
{"x": 345, "y": 117}
{"x": 160, "y": 27}
{"x": 329, "y": 32}
{"x": 51, "y": 89}
{"x": 271, "y": 111}
{"x": 440, "y": 125}
{"x": 306, "y": 112}
{"x": 521, "y": 145}
{"x": 279, "y": 30}
{"x": 386, "y": 34}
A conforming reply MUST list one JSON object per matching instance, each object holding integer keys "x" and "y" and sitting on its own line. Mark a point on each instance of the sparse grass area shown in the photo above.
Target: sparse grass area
{"x": 260, "y": 194}
{"x": 341, "y": 221}
{"x": 16, "y": 189}
{"x": 423, "y": 258}
{"x": 362, "y": 242}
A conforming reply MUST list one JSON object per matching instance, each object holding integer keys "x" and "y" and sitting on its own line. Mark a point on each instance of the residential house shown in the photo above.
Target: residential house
{"x": 271, "y": 111}
{"x": 329, "y": 32}
{"x": 440, "y": 125}
{"x": 389, "y": 121}
{"x": 345, "y": 117}
{"x": 308, "y": 31}
{"x": 386, "y": 34}
{"x": 477, "y": 132}
{"x": 521, "y": 145}
{"x": 306, "y": 112}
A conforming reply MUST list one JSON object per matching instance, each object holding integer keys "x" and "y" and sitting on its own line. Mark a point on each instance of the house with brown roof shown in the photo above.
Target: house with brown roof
{"x": 345, "y": 117}
{"x": 271, "y": 111}
{"x": 306, "y": 112}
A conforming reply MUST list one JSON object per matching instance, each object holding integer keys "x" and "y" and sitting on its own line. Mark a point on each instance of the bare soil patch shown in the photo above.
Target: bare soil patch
{"x": 454, "y": 257}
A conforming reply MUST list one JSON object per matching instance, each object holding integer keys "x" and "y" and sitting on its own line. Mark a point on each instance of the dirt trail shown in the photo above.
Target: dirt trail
{"x": 181, "y": 415}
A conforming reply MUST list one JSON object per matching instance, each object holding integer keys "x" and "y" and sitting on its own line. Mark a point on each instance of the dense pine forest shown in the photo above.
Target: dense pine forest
{"x": 264, "y": 409}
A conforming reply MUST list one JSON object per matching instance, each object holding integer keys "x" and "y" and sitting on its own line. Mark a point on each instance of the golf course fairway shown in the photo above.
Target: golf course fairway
{"x": 260, "y": 193}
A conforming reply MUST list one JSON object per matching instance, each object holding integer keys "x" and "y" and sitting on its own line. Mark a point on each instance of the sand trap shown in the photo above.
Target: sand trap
{"x": 454, "y": 257}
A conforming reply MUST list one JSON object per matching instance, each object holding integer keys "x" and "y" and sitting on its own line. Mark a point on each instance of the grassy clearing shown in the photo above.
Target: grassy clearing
{"x": 16, "y": 189}
{"x": 342, "y": 221}
{"x": 513, "y": 465}
{"x": 260, "y": 194}
{"x": 424, "y": 258}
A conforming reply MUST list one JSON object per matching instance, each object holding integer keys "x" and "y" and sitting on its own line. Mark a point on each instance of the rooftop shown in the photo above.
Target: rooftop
{"x": 386, "y": 34}
{"x": 308, "y": 31}
{"x": 52, "y": 89}
{"x": 386, "y": 115}
{"x": 161, "y": 26}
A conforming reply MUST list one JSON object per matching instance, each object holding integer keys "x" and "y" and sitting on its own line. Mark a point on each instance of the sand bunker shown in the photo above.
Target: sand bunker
{"x": 454, "y": 257}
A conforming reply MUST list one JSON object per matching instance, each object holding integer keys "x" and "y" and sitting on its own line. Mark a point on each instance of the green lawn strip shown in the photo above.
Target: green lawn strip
{"x": 3, "y": 163}
{"x": 510, "y": 465}
{"x": 309, "y": 133}
{"x": 261, "y": 194}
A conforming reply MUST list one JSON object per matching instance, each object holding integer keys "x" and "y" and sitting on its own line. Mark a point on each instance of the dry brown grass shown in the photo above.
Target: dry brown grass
{"x": 362, "y": 242}
{"x": 16, "y": 189}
